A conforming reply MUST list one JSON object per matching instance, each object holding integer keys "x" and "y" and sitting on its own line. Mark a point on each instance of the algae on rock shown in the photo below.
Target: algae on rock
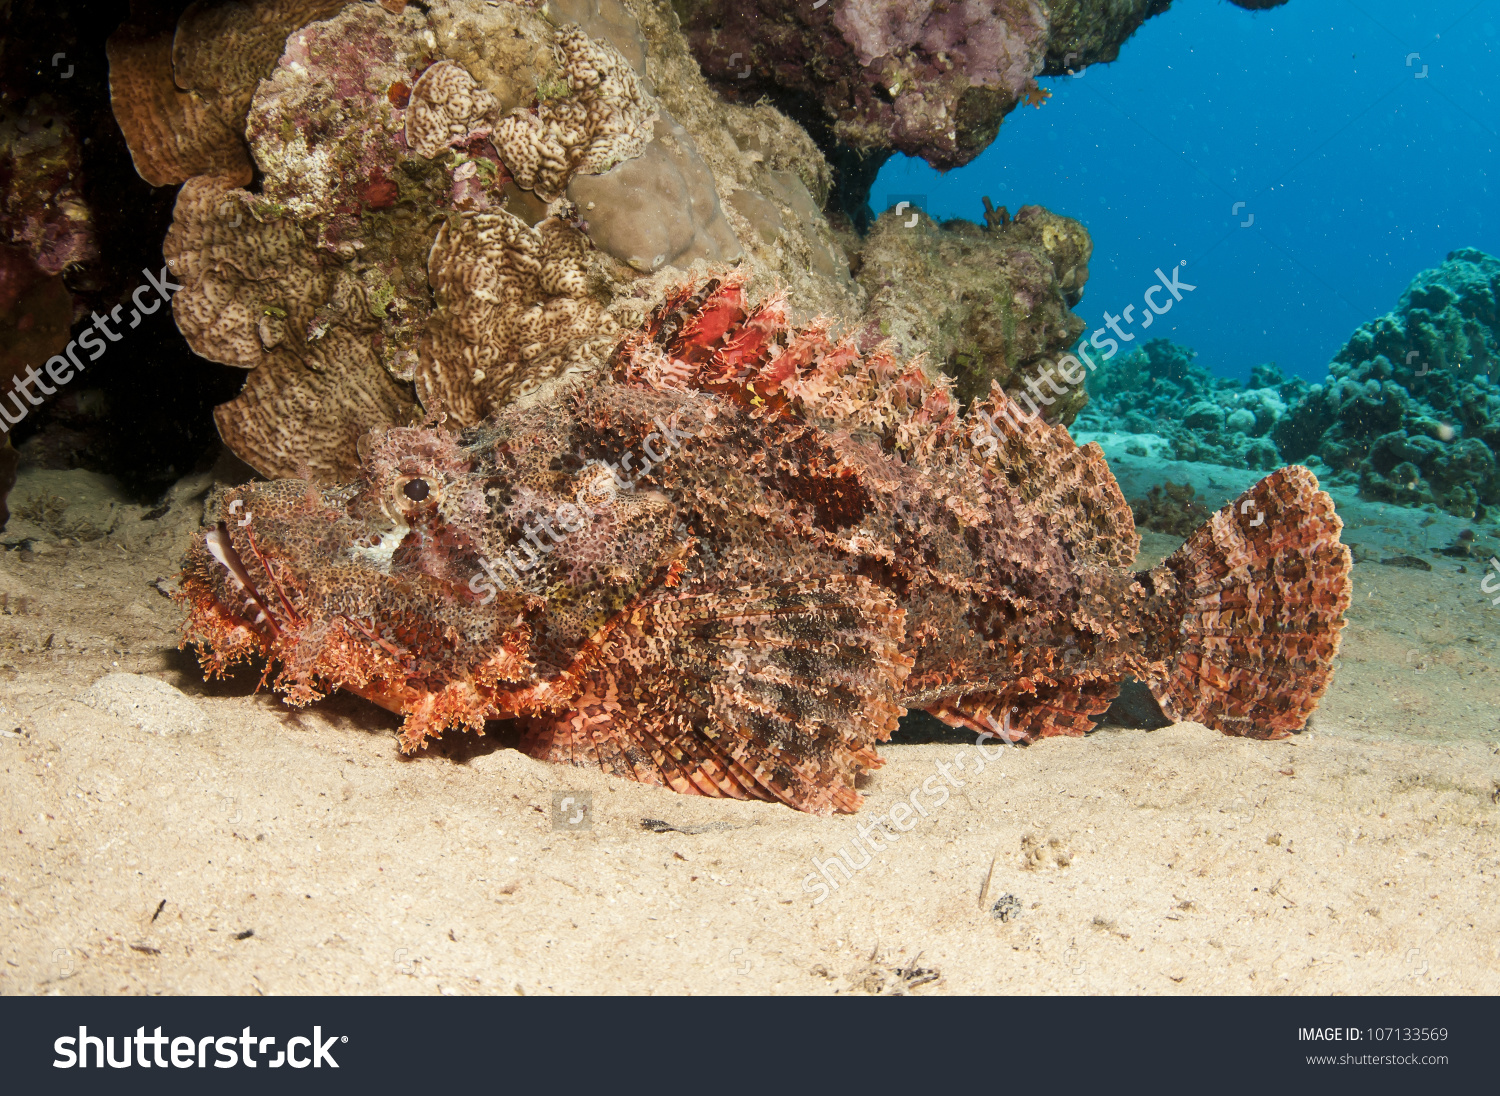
{"x": 985, "y": 304}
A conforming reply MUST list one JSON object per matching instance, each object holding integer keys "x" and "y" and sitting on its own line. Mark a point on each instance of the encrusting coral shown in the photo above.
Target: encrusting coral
{"x": 986, "y": 304}
{"x": 730, "y": 567}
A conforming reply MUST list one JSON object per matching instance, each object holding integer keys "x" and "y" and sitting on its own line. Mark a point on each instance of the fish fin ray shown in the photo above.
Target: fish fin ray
{"x": 778, "y": 692}
{"x": 1023, "y": 714}
{"x": 1265, "y": 583}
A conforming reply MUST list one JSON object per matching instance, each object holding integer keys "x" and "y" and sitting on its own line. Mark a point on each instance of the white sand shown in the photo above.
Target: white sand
{"x": 1358, "y": 858}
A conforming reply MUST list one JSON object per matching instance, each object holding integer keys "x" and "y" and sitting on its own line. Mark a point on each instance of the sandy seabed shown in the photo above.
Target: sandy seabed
{"x": 163, "y": 835}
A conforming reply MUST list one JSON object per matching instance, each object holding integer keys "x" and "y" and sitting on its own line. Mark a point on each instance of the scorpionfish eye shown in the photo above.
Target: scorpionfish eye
{"x": 416, "y": 490}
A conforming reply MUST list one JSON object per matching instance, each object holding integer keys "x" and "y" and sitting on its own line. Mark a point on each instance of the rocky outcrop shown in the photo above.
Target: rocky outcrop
{"x": 984, "y": 304}
{"x": 928, "y": 79}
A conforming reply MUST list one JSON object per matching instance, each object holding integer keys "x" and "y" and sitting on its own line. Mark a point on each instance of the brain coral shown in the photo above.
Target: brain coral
{"x": 604, "y": 118}
{"x": 512, "y": 305}
{"x": 257, "y": 294}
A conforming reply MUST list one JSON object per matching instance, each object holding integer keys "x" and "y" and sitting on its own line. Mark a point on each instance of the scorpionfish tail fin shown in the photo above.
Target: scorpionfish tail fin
{"x": 1263, "y": 587}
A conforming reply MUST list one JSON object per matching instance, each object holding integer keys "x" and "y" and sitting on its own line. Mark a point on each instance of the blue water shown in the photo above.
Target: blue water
{"x": 1358, "y": 170}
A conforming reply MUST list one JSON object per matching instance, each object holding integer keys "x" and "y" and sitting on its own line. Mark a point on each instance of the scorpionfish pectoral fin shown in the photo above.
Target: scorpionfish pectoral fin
{"x": 776, "y": 692}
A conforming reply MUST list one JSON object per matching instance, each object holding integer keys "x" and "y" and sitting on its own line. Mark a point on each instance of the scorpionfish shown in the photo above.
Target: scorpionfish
{"x": 734, "y": 560}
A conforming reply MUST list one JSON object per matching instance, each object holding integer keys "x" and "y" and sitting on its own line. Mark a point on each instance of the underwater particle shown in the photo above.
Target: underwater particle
{"x": 729, "y": 567}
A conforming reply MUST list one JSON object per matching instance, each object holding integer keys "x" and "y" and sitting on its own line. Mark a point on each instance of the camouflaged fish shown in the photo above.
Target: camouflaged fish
{"x": 731, "y": 566}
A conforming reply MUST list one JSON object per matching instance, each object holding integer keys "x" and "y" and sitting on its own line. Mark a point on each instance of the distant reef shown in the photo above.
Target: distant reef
{"x": 1410, "y": 411}
{"x": 1411, "y": 405}
{"x": 1160, "y": 391}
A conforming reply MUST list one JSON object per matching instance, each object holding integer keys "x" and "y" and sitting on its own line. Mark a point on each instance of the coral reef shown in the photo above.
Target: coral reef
{"x": 808, "y": 546}
{"x": 46, "y": 227}
{"x": 1169, "y": 508}
{"x": 41, "y": 203}
{"x": 1411, "y": 406}
{"x": 381, "y": 131}
{"x": 985, "y": 304}
{"x": 1410, "y": 411}
{"x": 1088, "y": 32}
{"x": 1159, "y": 390}
{"x": 180, "y": 91}
{"x": 36, "y": 313}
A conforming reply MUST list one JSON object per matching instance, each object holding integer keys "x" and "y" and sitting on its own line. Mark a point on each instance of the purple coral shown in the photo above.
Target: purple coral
{"x": 926, "y": 78}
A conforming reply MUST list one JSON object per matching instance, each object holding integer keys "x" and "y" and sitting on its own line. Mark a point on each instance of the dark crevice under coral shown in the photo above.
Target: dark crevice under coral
{"x": 141, "y": 412}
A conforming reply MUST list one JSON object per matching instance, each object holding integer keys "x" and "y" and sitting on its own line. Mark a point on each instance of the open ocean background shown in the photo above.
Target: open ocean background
{"x": 1359, "y": 170}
